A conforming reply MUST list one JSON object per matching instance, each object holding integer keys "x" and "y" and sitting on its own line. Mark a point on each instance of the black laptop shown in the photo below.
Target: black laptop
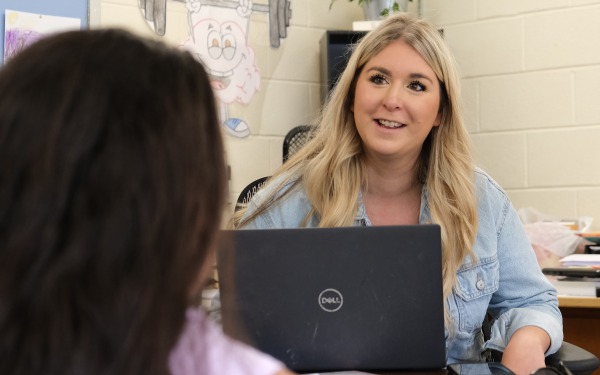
{"x": 332, "y": 299}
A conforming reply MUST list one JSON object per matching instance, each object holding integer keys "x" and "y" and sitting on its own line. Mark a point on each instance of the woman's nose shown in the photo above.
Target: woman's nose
{"x": 394, "y": 98}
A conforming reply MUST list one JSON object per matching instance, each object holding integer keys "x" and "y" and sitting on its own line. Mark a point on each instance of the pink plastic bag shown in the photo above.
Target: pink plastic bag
{"x": 550, "y": 237}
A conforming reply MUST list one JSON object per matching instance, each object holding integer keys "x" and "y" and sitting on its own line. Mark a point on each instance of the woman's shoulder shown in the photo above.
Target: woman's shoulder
{"x": 286, "y": 201}
{"x": 493, "y": 204}
{"x": 203, "y": 348}
{"x": 278, "y": 186}
{"x": 487, "y": 187}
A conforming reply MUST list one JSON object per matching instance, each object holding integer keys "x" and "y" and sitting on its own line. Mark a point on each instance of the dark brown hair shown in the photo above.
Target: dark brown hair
{"x": 112, "y": 183}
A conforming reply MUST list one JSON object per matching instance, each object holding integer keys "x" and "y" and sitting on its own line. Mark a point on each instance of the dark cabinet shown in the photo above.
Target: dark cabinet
{"x": 336, "y": 47}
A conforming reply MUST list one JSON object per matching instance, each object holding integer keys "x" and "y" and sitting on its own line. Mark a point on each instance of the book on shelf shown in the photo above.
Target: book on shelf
{"x": 579, "y": 287}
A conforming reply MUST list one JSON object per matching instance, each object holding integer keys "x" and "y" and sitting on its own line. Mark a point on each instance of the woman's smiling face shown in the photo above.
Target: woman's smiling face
{"x": 396, "y": 103}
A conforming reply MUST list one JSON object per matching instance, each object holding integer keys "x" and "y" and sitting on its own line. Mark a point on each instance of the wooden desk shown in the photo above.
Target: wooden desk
{"x": 581, "y": 322}
{"x": 583, "y": 302}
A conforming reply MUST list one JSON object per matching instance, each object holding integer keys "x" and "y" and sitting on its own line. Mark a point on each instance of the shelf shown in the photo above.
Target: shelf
{"x": 365, "y": 25}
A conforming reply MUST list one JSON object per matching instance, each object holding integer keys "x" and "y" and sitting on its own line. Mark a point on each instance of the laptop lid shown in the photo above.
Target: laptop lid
{"x": 329, "y": 299}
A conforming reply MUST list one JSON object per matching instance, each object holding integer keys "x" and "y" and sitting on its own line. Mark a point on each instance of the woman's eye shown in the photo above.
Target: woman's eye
{"x": 378, "y": 79}
{"x": 417, "y": 86}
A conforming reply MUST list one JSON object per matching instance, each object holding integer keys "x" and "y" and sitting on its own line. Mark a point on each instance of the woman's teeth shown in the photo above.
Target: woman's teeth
{"x": 390, "y": 124}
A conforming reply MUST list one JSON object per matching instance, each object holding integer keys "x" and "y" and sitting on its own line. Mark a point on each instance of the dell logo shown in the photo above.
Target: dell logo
{"x": 331, "y": 300}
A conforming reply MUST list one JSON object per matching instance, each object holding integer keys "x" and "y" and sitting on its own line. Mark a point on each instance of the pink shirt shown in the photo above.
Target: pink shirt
{"x": 203, "y": 349}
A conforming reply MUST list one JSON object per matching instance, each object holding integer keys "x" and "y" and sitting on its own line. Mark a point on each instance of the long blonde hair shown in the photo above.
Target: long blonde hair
{"x": 331, "y": 169}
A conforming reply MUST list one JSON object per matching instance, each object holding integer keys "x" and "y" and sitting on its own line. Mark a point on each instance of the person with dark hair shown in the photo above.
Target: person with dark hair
{"x": 112, "y": 184}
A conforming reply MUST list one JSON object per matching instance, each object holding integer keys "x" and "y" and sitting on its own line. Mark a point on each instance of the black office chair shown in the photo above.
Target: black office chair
{"x": 295, "y": 139}
{"x": 249, "y": 192}
{"x": 578, "y": 360}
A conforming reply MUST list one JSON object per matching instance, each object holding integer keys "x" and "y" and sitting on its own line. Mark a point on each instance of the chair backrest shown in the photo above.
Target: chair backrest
{"x": 249, "y": 192}
{"x": 295, "y": 139}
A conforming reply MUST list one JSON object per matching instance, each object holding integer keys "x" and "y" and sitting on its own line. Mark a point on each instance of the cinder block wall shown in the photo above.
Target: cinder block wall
{"x": 290, "y": 75}
{"x": 531, "y": 84}
{"x": 531, "y": 73}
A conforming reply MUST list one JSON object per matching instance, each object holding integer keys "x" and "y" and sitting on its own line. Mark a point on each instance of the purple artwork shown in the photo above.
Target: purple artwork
{"x": 17, "y": 39}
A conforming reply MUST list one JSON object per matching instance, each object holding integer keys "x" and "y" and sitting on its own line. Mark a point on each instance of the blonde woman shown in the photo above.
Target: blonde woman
{"x": 391, "y": 149}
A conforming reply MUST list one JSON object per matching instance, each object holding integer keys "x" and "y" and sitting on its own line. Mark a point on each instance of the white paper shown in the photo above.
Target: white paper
{"x": 582, "y": 260}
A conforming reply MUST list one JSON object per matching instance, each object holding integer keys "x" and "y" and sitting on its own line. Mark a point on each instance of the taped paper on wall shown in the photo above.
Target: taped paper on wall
{"x": 22, "y": 28}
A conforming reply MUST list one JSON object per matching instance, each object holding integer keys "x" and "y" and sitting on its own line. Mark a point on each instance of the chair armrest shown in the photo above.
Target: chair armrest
{"x": 576, "y": 359}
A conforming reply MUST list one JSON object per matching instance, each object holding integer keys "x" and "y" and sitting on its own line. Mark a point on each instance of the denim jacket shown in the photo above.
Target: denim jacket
{"x": 506, "y": 280}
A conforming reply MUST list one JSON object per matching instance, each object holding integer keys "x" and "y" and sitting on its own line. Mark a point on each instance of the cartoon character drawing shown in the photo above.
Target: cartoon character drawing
{"x": 219, "y": 38}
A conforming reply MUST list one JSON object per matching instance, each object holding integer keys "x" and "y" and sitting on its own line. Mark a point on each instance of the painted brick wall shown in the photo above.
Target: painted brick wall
{"x": 531, "y": 84}
{"x": 290, "y": 76}
{"x": 531, "y": 73}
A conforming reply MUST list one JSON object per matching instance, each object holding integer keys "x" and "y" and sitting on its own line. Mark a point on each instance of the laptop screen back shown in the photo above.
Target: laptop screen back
{"x": 327, "y": 299}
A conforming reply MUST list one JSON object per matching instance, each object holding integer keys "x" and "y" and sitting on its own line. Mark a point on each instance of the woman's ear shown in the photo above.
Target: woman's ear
{"x": 438, "y": 119}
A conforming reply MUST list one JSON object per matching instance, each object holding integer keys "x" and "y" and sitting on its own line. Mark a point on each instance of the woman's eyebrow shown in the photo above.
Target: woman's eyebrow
{"x": 380, "y": 70}
{"x": 420, "y": 76}
{"x": 386, "y": 71}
